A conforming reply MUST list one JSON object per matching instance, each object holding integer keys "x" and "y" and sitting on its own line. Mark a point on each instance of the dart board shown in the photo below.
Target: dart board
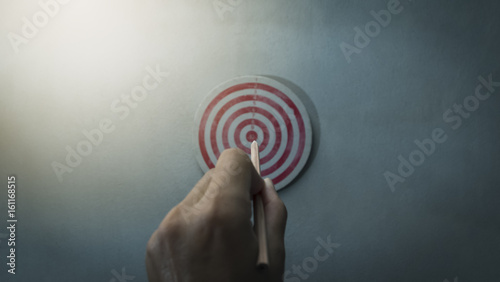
{"x": 249, "y": 108}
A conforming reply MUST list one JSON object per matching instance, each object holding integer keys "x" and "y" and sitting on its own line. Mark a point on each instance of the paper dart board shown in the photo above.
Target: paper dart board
{"x": 249, "y": 108}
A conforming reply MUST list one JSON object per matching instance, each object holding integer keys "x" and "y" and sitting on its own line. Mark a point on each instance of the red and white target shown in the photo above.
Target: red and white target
{"x": 250, "y": 108}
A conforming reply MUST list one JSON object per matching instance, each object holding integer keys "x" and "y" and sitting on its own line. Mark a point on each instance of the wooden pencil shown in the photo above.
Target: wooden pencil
{"x": 258, "y": 214}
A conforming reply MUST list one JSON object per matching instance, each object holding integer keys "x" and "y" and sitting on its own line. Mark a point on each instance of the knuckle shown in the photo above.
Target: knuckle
{"x": 235, "y": 154}
{"x": 213, "y": 189}
{"x": 153, "y": 244}
{"x": 209, "y": 174}
{"x": 168, "y": 235}
{"x": 171, "y": 226}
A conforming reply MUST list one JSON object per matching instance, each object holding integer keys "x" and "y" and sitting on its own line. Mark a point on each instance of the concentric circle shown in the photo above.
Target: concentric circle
{"x": 258, "y": 108}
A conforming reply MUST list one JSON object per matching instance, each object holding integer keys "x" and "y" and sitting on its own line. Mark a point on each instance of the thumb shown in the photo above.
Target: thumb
{"x": 276, "y": 216}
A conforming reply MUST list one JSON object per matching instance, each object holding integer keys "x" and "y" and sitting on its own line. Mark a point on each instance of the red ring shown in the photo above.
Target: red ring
{"x": 266, "y": 114}
{"x": 240, "y": 127}
{"x": 269, "y": 89}
{"x": 263, "y": 112}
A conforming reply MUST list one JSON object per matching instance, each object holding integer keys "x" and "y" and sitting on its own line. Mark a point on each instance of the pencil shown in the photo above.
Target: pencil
{"x": 258, "y": 214}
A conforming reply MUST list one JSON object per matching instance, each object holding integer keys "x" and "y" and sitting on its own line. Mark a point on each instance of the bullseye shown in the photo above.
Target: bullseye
{"x": 251, "y": 135}
{"x": 250, "y": 108}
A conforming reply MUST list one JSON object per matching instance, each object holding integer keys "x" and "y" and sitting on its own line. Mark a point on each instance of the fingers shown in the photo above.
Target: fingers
{"x": 276, "y": 213}
{"x": 234, "y": 171}
{"x": 224, "y": 190}
{"x": 276, "y": 216}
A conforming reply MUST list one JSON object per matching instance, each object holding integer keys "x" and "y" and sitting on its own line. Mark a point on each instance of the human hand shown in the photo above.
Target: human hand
{"x": 209, "y": 235}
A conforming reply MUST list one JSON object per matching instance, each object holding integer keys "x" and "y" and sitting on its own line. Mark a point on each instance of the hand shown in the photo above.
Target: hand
{"x": 209, "y": 237}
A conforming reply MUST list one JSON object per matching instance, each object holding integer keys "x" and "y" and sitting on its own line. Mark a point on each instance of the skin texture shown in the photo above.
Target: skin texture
{"x": 209, "y": 235}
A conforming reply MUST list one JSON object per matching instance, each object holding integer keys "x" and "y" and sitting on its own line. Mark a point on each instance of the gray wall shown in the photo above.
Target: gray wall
{"x": 441, "y": 223}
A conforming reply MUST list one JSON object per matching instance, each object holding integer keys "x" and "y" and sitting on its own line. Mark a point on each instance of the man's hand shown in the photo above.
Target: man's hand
{"x": 209, "y": 237}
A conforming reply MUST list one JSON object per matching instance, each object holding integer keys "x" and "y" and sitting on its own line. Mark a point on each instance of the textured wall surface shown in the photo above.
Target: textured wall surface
{"x": 395, "y": 211}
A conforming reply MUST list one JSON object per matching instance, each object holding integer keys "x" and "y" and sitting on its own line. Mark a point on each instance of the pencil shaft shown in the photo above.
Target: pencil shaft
{"x": 259, "y": 215}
